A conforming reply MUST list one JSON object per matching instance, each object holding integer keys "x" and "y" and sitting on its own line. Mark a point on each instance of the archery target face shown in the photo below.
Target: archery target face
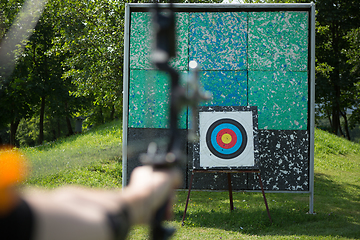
{"x": 226, "y": 139}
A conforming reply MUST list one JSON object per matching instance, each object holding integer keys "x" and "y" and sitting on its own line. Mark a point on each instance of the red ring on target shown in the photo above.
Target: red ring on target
{"x": 212, "y": 140}
{"x": 226, "y": 138}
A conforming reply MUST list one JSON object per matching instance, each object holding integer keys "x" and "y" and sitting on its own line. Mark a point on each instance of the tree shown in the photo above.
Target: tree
{"x": 14, "y": 98}
{"x": 93, "y": 34}
{"x": 353, "y": 54}
{"x": 74, "y": 55}
{"x": 335, "y": 80}
{"x": 37, "y": 80}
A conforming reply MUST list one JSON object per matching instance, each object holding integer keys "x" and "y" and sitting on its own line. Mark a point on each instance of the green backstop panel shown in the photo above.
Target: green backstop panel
{"x": 278, "y": 41}
{"x": 230, "y": 86}
{"x": 141, "y": 40}
{"x": 247, "y": 59}
{"x": 149, "y": 100}
{"x": 218, "y": 41}
{"x": 281, "y": 97}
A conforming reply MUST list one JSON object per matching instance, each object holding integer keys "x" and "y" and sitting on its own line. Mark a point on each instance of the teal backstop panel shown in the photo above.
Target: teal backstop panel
{"x": 247, "y": 59}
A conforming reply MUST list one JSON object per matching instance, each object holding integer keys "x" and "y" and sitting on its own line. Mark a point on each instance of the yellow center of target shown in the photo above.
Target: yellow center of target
{"x": 226, "y": 138}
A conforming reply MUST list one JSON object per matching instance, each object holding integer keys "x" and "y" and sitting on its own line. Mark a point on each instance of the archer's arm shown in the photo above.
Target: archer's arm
{"x": 80, "y": 213}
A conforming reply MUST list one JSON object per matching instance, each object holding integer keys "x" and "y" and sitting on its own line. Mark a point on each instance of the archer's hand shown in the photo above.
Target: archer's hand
{"x": 148, "y": 190}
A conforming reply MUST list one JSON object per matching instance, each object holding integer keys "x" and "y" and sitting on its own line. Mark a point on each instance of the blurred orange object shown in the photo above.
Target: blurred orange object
{"x": 13, "y": 170}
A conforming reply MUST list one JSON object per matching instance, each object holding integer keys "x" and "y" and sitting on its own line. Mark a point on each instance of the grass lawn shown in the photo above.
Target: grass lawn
{"x": 94, "y": 159}
{"x": 102, "y": 143}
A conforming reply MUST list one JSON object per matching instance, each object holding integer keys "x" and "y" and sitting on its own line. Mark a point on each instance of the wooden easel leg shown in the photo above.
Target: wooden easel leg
{"x": 188, "y": 197}
{"x": 230, "y": 192}
{"x": 262, "y": 189}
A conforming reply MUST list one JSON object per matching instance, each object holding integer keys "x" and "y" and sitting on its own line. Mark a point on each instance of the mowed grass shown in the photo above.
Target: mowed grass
{"x": 99, "y": 144}
{"x": 337, "y": 192}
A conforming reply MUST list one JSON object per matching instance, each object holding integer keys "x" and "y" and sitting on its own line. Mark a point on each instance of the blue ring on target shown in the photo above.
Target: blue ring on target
{"x": 218, "y": 147}
{"x": 219, "y": 151}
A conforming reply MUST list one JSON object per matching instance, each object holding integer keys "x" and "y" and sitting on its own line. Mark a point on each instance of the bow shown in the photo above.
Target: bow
{"x": 164, "y": 50}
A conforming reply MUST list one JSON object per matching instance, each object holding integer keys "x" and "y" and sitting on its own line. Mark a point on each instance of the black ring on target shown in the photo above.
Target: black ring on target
{"x": 235, "y": 128}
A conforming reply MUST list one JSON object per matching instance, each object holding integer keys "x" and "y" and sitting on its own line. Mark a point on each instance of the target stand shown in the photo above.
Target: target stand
{"x": 228, "y": 144}
{"x": 229, "y": 186}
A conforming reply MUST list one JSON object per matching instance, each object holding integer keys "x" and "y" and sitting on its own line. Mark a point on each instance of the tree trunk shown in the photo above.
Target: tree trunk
{"x": 331, "y": 125}
{"x": 41, "y": 123}
{"x": 346, "y": 125}
{"x": 335, "y": 118}
{"x": 54, "y": 134}
{"x": 112, "y": 114}
{"x": 335, "y": 79}
{"x": 329, "y": 118}
{"x": 68, "y": 123}
{"x": 13, "y": 128}
{"x": 58, "y": 128}
{"x": 102, "y": 120}
{"x": 341, "y": 131}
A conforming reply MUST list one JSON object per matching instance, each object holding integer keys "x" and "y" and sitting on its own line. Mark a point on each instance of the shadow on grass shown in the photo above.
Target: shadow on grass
{"x": 337, "y": 208}
{"x": 326, "y": 187}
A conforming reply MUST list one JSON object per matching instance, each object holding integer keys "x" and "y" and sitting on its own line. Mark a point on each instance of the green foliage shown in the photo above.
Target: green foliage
{"x": 336, "y": 79}
{"x": 71, "y": 65}
{"x": 277, "y": 1}
{"x": 8, "y": 11}
{"x": 92, "y": 33}
{"x": 353, "y": 52}
{"x": 28, "y": 130}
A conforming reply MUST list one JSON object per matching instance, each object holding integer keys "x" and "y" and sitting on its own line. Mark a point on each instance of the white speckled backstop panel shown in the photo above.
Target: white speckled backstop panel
{"x": 141, "y": 41}
{"x": 218, "y": 40}
{"x": 247, "y": 58}
{"x": 278, "y": 41}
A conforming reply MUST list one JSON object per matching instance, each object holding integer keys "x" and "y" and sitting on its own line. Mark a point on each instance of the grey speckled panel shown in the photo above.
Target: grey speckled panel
{"x": 283, "y": 162}
{"x": 139, "y": 139}
{"x": 284, "y": 159}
